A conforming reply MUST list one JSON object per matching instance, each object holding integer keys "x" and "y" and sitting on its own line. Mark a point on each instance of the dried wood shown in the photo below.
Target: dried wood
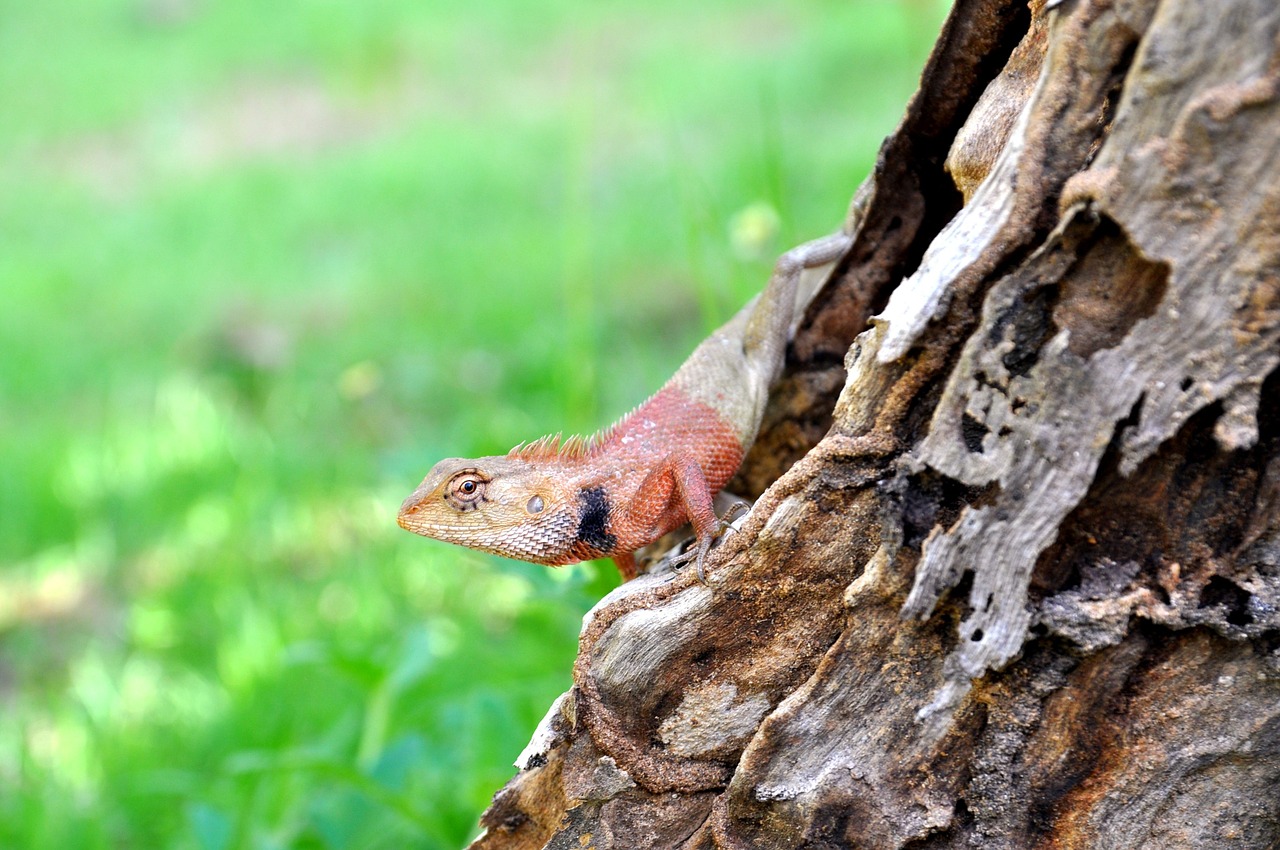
{"x": 1024, "y": 591}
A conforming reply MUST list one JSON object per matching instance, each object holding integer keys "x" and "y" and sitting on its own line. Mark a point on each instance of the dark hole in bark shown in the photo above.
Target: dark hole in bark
{"x": 1269, "y": 407}
{"x": 1109, "y": 289}
{"x": 1030, "y": 325}
{"x": 930, "y": 500}
{"x": 1094, "y": 526}
{"x": 1161, "y": 594}
{"x": 1221, "y": 592}
{"x": 1073, "y": 575}
{"x": 960, "y": 594}
{"x": 973, "y": 432}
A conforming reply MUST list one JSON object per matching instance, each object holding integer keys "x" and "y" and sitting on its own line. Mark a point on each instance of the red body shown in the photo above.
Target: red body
{"x": 655, "y": 470}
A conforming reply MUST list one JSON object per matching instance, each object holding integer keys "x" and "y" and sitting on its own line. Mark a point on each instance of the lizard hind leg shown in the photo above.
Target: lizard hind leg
{"x": 769, "y": 328}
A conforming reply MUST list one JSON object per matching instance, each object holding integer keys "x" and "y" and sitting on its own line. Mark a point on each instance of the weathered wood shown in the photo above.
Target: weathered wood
{"x": 1025, "y": 592}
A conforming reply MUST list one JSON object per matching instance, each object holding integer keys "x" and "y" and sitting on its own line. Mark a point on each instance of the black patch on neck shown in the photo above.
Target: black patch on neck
{"x": 593, "y": 526}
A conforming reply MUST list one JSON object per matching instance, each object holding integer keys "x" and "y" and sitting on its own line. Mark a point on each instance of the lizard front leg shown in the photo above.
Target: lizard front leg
{"x": 674, "y": 492}
{"x": 699, "y": 505}
{"x": 626, "y": 564}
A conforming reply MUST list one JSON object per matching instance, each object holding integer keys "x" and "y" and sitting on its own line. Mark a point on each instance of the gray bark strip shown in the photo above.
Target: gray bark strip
{"x": 1181, "y": 335}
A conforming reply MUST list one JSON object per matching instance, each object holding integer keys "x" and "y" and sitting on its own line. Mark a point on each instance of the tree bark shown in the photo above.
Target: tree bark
{"x": 1022, "y": 586}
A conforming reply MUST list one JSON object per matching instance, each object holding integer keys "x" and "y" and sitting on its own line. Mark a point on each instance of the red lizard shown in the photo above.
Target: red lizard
{"x": 560, "y": 502}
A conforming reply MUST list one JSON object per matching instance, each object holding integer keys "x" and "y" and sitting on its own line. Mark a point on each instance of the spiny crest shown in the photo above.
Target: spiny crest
{"x": 553, "y": 447}
{"x": 608, "y": 435}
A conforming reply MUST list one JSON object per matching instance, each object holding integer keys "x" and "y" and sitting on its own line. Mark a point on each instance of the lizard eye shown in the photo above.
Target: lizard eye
{"x": 466, "y": 490}
{"x": 535, "y": 505}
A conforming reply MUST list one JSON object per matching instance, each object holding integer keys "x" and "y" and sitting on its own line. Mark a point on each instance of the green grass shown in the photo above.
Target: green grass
{"x": 260, "y": 266}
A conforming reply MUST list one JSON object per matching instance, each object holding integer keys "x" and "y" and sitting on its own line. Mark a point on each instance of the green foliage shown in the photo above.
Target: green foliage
{"x": 260, "y": 266}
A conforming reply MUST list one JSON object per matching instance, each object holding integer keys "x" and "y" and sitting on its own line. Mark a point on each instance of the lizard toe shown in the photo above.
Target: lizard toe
{"x": 696, "y": 554}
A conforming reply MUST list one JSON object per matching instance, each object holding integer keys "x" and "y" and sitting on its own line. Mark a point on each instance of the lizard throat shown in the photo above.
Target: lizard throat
{"x": 593, "y": 525}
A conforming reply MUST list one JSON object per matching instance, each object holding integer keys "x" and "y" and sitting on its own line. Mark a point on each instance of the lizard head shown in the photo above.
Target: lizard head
{"x": 504, "y": 505}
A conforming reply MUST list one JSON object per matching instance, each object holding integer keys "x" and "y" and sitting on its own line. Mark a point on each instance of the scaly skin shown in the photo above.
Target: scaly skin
{"x": 554, "y": 502}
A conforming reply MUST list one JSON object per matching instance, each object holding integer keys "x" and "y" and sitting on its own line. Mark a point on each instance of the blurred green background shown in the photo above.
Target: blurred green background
{"x": 260, "y": 266}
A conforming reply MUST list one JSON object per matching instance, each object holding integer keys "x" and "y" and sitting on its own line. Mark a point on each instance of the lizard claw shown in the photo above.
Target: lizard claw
{"x": 697, "y": 554}
{"x": 736, "y": 511}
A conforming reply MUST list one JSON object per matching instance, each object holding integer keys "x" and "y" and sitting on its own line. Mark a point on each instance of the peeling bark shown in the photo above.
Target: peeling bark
{"x": 1021, "y": 586}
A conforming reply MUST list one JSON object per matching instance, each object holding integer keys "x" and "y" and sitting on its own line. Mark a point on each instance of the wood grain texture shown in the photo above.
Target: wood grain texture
{"x": 1025, "y": 591}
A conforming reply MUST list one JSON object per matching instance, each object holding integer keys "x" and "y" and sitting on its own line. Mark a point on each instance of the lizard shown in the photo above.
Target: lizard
{"x": 557, "y": 502}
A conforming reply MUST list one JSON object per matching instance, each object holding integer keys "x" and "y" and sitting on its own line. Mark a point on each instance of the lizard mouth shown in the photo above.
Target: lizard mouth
{"x": 408, "y": 513}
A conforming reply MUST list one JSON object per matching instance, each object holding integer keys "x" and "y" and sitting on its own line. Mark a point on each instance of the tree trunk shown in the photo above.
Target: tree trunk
{"x": 1024, "y": 591}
